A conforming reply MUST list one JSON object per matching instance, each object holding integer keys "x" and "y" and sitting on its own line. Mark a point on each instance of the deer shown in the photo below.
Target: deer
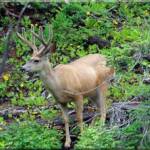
{"x": 72, "y": 82}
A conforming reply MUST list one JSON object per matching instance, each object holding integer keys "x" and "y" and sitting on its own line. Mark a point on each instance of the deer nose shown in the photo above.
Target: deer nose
{"x": 22, "y": 69}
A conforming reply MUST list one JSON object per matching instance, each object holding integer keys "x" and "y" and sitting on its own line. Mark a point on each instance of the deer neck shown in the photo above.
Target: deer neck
{"x": 49, "y": 78}
{"x": 46, "y": 71}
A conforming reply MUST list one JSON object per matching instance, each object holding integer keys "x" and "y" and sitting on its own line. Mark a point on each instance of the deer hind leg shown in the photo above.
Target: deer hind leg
{"x": 79, "y": 111}
{"x": 66, "y": 121}
{"x": 100, "y": 101}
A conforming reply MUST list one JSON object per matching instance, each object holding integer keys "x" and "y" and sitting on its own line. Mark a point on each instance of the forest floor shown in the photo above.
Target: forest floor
{"x": 120, "y": 31}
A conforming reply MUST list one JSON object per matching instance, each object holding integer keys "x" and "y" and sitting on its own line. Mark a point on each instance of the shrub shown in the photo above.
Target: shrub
{"x": 97, "y": 137}
{"x": 134, "y": 136}
{"x": 29, "y": 135}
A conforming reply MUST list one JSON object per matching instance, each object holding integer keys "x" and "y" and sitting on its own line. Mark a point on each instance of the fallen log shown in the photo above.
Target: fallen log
{"x": 117, "y": 114}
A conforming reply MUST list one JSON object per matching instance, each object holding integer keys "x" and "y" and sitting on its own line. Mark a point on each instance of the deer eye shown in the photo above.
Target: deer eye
{"x": 36, "y": 61}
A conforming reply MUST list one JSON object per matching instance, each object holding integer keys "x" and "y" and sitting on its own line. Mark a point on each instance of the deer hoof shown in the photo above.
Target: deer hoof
{"x": 67, "y": 144}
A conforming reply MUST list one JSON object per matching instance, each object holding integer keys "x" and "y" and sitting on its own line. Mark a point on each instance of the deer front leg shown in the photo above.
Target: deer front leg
{"x": 66, "y": 121}
{"x": 79, "y": 111}
{"x": 100, "y": 101}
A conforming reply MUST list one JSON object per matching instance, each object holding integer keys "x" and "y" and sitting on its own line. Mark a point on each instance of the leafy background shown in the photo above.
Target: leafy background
{"x": 123, "y": 33}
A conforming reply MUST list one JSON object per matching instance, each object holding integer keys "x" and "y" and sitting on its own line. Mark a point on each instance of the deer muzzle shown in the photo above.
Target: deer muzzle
{"x": 26, "y": 68}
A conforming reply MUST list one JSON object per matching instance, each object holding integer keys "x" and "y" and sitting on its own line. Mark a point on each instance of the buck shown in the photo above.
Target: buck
{"x": 85, "y": 77}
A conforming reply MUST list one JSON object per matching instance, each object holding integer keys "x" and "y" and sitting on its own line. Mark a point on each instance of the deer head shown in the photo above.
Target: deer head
{"x": 40, "y": 54}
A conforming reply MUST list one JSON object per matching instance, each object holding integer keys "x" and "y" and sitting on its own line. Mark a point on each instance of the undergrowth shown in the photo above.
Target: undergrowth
{"x": 136, "y": 135}
{"x": 125, "y": 26}
{"x": 29, "y": 135}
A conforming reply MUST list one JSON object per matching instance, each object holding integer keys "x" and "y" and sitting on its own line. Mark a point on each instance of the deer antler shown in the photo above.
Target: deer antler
{"x": 45, "y": 46}
{"x": 40, "y": 37}
{"x": 50, "y": 38}
{"x": 30, "y": 44}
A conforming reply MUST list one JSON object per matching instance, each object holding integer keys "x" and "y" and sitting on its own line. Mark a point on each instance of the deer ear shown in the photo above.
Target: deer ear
{"x": 47, "y": 52}
{"x": 53, "y": 47}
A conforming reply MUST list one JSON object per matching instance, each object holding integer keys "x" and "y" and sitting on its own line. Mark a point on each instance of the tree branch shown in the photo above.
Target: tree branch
{"x": 11, "y": 29}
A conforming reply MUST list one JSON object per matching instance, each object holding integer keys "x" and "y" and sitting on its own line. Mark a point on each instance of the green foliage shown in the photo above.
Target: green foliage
{"x": 26, "y": 22}
{"x": 49, "y": 114}
{"x": 2, "y": 122}
{"x": 5, "y": 20}
{"x": 127, "y": 34}
{"x": 75, "y": 12}
{"x": 136, "y": 135}
{"x": 3, "y": 88}
{"x": 2, "y": 46}
{"x": 128, "y": 87}
{"x": 132, "y": 136}
{"x": 62, "y": 24}
{"x": 29, "y": 135}
{"x": 29, "y": 101}
{"x": 97, "y": 137}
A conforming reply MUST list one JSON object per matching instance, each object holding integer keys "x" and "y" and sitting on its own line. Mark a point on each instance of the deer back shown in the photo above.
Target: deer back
{"x": 79, "y": 77}
{"x": 92, "y": 59}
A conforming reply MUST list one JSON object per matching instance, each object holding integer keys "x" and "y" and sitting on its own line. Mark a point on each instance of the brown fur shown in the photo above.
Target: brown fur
{"x": 77, "y": 77}
{"x": 85, "y": 77}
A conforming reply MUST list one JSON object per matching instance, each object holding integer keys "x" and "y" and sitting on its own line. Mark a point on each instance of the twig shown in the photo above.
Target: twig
{"x": 20, "y": 15}
{"x": 145, "y": 133}
{"x": 92, "y": 118}
{"x": 10, "y": 13}
{"x": 137, "y": 61}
